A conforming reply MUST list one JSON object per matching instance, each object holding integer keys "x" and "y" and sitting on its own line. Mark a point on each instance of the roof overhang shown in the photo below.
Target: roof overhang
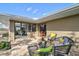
{"x": 73, "y": 10}
{"x": 4, "y": 18}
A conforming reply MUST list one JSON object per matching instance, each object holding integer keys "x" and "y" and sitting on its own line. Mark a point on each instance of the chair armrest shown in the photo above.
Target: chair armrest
{"x": 60, "y": 53}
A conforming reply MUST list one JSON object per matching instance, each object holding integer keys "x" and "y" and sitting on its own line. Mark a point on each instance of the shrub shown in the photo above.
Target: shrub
{"x": 5, "y": 45}
{"x": 1, "y": 45}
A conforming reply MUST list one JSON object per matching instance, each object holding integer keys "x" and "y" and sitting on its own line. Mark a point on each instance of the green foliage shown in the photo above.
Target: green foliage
{"x": 4, "y": 45}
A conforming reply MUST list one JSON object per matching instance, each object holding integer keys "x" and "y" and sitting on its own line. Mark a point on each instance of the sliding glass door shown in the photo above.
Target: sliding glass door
{"x": 43, "y": 29}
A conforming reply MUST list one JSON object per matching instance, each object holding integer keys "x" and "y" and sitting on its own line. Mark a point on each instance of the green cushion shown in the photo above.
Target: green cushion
{"x": 48, "y": 49}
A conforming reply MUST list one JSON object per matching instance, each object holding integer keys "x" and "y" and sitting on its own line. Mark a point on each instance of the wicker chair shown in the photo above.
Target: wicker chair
{"x": 60, "y": 50}
{"x": 64, "y": 49}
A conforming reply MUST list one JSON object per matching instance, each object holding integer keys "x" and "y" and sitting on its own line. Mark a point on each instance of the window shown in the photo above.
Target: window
{"x": 29, "y": 27}
{"x": 33, "y": 27}
{"x": 20, "y": 29}
{"x": 17, "y": 28}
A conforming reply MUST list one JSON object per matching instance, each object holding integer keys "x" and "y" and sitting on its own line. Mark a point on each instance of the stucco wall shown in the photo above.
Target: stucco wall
{"x": 68, "y": 26}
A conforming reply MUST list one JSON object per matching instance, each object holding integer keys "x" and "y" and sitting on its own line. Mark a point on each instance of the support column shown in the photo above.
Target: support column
{"x": 27, "y": 29}
{"x": 12, "y": 31}
{"x": 37, "y": 30}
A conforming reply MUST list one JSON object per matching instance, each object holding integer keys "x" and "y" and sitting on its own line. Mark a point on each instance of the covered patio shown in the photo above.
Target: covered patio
{"x": 24, "y": 31}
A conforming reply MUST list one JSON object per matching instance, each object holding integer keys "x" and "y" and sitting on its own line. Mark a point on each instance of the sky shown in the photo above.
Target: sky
{"x": 31, "y": 10}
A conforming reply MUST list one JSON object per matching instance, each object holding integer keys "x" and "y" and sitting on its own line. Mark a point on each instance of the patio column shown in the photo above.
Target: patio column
{"x": 37, "y": 30}
{"x": 11, "y": 31}
{"x": 27, "y": 29}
